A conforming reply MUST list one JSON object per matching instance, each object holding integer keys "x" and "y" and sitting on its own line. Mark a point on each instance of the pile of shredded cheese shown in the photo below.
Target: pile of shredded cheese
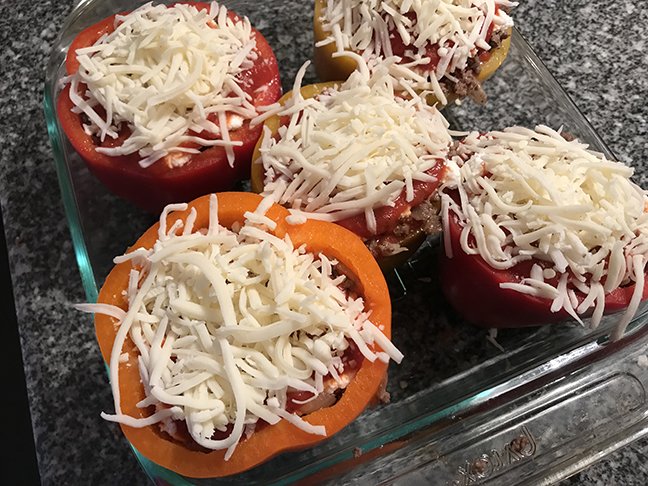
{"x": 459, "y": 28}
{"x": 227, "y": 322}
{"x": 531, "y": 194}
{"x": 168, "y": 73}
{"x": 351, "y": 149}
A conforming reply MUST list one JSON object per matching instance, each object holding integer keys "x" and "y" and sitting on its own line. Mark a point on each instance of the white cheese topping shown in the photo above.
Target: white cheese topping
{"x": 352, "y": 149}
{"x": 532, "y": 195}
{"x": 227, "y": 323}
{"x": 167, "y": 74}
{"x": 456, "y": 29}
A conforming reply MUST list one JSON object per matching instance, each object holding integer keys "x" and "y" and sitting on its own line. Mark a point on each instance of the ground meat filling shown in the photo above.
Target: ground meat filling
{"x": 466, "y": 83}
{"x": 422, "y": 220}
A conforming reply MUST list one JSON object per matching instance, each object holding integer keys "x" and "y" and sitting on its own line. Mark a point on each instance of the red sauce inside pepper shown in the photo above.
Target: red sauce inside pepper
{"x": 399, "y": 48}
{"x": 387, "y": 216}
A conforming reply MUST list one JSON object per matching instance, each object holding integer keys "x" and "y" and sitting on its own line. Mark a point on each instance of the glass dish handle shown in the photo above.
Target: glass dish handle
{"x": 539, "y": 433}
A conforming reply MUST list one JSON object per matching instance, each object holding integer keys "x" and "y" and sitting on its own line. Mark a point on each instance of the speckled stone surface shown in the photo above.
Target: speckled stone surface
{"x": 596, "y": 49}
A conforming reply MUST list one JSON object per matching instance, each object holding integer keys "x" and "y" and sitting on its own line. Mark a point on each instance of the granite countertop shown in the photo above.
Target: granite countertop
{"x": 595, "y": 48}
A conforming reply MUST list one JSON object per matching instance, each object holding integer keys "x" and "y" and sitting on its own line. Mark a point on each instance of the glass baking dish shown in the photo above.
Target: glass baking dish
{"x": 529, "y": 406}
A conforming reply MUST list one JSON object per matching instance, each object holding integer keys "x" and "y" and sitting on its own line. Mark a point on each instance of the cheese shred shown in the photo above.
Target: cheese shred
{"x": 438, "y": 38}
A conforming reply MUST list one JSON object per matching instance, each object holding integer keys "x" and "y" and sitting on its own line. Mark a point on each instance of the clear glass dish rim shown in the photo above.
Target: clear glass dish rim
{"x": 586, "y": 353}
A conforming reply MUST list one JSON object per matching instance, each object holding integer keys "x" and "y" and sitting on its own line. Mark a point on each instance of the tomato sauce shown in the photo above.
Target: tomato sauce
{"x": 399, "y": 48}
{"x": 387, "y": 216}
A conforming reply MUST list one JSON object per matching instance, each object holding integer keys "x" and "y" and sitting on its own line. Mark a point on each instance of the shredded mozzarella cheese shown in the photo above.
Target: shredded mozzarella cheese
{"x": 351, "y": 149}
{"x": 457, "y": 29}
{"x": 168, "y": 74}
{"x": 533, "y": 195}
{"x": 226, "y": 323}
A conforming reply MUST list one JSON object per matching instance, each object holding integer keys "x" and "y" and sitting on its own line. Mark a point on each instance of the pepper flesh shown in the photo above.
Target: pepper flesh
{"x": 319, "y": 237}
{"x": 154, "y": 187}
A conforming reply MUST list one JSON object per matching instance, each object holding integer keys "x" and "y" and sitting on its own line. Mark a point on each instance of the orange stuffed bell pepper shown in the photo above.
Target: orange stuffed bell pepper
{"x": 466, "y": 48}
{"x": 162, "y": 114}
{"x": 233, "y": 336}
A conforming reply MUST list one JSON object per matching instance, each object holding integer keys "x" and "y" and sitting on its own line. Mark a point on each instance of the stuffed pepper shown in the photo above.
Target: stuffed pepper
{"x": 540, "y": 229}
{"x": 446, "y": 47}
{"x": 359, "y": 154}
{"x": 158, "y": 101}
{"x": 232, "y": 336}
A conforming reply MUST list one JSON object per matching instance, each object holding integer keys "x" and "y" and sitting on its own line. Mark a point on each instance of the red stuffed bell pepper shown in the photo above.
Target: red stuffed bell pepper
{"x": 162, "y": 114}
{"x": 538, "y": 229}
{"x": 358, "y": 154}
{"x": 232, "y": 336}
